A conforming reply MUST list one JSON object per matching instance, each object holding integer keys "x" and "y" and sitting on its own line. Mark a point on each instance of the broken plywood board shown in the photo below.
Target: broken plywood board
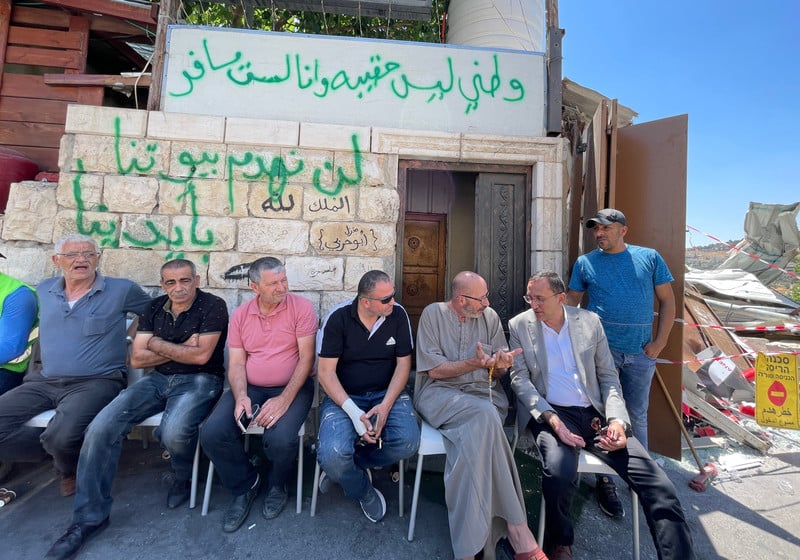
{"x": 719, "y": 420}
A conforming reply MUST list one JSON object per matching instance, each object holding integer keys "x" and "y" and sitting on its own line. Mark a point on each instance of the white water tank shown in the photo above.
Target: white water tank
{"x": 503, "y": 24}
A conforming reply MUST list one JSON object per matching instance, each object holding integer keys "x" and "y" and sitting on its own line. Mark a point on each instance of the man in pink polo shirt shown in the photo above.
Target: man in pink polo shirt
{"x": 271, "y": 344}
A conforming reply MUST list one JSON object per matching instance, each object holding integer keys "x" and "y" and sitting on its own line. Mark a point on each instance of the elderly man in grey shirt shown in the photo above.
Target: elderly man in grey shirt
{"x": 82, "y": 339}
{"x": 461, "y": 350}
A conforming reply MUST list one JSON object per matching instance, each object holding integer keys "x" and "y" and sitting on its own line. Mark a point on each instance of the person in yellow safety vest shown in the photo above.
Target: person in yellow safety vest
{"x": 19, "y": 321}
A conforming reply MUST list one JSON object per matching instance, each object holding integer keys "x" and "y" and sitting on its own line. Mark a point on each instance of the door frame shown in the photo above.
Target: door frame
{"x": 406, "y": 165}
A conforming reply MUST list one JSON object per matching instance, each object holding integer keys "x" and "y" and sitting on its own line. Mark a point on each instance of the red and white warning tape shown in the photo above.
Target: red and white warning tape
{"x": 774, "y": 328}
{"x": 720, "y": 358}
{"x": 752, "y": 256}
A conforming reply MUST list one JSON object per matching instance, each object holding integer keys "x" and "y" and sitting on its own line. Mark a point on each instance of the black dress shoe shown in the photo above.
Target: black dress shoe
{"x": 71, "y": 541}
{"x": 239, "y": 508}
{"x": 178, "y": 493}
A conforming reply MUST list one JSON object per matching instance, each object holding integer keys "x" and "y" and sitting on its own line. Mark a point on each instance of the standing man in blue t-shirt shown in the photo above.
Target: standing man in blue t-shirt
{"x": 622, "y": 281}
{"x": 367, "y": 418}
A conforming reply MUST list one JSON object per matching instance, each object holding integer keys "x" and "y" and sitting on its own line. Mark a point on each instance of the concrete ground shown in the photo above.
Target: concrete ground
{"x": 745, "y": 514}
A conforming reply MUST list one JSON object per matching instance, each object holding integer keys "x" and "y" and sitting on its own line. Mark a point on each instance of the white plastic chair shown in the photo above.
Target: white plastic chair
{"x": 588, "y": 463}
{"x": 259, "y": 430}
{"x": 431, "y": 442}
{"x": 43, "y": 419}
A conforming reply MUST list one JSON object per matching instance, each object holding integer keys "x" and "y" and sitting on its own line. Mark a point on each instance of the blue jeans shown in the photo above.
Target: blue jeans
{"x": 344, "y": 461}
{"x": 635, "y": 375}
{"x": 662, "y": 510}
{"x": 9, "y": 379}
{"x": 221, "y": 439}
{"x": 185, "y": 400}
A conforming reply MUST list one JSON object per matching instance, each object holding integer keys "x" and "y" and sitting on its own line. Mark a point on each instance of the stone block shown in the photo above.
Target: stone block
{"x": 228, "y": 269}
{"x": 353, "y": 239}
{"x": 125, "y": 156}
{"x": 29, "y": 264}
{"x": 314, "y": 273}
{"x": 172, "y": 197}
{"x": 377, "y": 170}
{"x": 311, "y": 167}
{"x": 548, "y": 260}
{"x": 130, "y": 193}
{"x": 548, "y": 232}
{"x": 322, "y": 208}
{"x": 231, "y": 297}
{"x": 416, "y": 143}
{"x": 86, "y": 188}
{"x": 335, "y": 137}
{"x": 548, "y": 181}
{"x": 287, "y": 204}
{"x": 183, "y": 126}
{"x": 480, "y": 148}
{"x": 258, "y": 163}
{"x": 148, "y": 232}
{"x": 378, "y": 205}
{"x": 329, "y": 300}
{"x": 30, "y": 211}
{"x": 102, "y": 226}
{"x": 90, "y": 119}
{"x": 273, "y": 237}
{"x": 141, "y": 266}
{"x": 355, "y": 267}
{"x": 240, "y": 130}
{"x": 204, "y": 233}
{"x": 220, "y": 198}
{"x": 198, "y": 160}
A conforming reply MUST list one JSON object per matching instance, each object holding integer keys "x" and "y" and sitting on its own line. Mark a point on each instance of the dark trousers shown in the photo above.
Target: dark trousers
{"x": 76, "y": 400}
{"x": 634, "y": 465}
{"x": 221, "y": 439}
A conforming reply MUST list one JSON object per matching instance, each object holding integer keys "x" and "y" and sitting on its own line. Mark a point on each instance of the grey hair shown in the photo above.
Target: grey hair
{"x": 178, "y": 263}
{"x": 370, "y": 279}
{"x": 75, "y": 238}
{"x": 258, "y": 266}
{"x": 553, "y": 279}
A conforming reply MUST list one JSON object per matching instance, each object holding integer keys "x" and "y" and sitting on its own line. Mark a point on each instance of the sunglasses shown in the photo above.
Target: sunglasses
{"x": 384, "y": 301}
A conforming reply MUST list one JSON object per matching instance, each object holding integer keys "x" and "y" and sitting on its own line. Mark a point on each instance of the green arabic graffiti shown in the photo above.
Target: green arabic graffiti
{"x": 309, "y": 76}
{"x": 250, "y": 166}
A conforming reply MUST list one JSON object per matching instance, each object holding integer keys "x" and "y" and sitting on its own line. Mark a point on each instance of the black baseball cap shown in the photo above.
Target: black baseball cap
{"x": 605, "y": 217}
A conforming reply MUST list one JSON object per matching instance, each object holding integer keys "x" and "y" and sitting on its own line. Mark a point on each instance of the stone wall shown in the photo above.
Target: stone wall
{"x": 226, "y": 191}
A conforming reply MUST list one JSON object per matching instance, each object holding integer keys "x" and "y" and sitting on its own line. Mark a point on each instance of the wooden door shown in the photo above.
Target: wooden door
{"x": 423, "y": 262}
{"x": 501, "y": 239}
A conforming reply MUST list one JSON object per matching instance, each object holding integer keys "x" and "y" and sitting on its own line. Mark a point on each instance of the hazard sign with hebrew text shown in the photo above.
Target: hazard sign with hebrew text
{"x": 776, "y": 391}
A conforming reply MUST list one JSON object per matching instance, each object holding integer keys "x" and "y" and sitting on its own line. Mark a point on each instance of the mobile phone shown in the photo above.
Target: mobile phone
{"x": 374, "y": 421}
{"x": 244, "y": 420}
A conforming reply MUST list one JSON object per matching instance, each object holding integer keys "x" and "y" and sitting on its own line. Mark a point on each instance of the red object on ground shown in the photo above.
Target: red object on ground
{"x": 749, "y": 374}
{"x": 14, "y": 167}
{"x": 748, "y": 409}
{"x": 705, "y": 431}
{"x": 48, "y": 176}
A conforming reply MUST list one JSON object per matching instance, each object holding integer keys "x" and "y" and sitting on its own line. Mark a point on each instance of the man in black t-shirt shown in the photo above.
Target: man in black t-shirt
{"x": 181, "y": 336}
{"x": 367, "y": 418}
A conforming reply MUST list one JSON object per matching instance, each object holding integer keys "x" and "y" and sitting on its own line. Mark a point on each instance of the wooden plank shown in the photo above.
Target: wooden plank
{"x": 719, "y": 420}
{"x": 107, "y": 80}
{"x": 22, "y": 109}
{"x": 79, "y": 26}
{"x": 168, "y": 13}
{"x": 43, "y": 57}
{"x": 33, "y": 37}
{"x": 91, "y": 95}
{"x": 31, "y": 134}
{"x": 40, "y": 17}
{"x": 24, "y": 85}
{"x": 113, "y": 26}
{"x": 45, "y": 158}
{"x": 116, "y": 9}
{"x": 722, "y": 339}
{"x": 5, "y": 17}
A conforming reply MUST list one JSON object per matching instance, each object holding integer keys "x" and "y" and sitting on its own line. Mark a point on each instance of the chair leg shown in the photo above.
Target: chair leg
{"x": 635, "y": 513}
{"x": 299, "y": 507}
{"x": 195, "y": 473}
{"x": 207, "y": 493}
{"x": 401, "y": 475}
{"x": 415, "y": 499}
{"x": 540, "y": 535}
{"x": 315, "y": 491}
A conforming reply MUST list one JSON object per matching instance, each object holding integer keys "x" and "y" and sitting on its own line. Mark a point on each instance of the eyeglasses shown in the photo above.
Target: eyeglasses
{"x": 384, "y": 301}
{"x": 539, "y": 299}
{"x": 481, "y": 299}
{"x": 84, "y": 254}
